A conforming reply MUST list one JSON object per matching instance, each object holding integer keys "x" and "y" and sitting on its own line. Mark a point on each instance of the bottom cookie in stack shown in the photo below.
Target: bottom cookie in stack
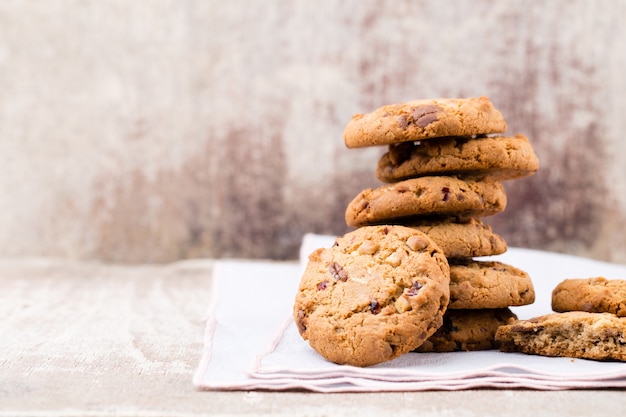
{"x": 481, "y": 293}
{"x": 468, "y": 330}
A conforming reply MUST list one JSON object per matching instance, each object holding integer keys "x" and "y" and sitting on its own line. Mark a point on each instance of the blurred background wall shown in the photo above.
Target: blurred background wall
{"x": 151, "y": 131}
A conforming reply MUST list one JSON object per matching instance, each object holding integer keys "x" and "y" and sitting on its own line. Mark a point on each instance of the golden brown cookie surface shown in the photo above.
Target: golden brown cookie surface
{"x": 575, "y": 334}
{"x": 463, "y": 239}
{"x": 488, "y": 284}
{"x": 424, "y": 119}
{"x": 379, "y": 292}
{"x": 425, "y": 197}
{"x": 594, "y": 295}
{"x": 499, "y": 158}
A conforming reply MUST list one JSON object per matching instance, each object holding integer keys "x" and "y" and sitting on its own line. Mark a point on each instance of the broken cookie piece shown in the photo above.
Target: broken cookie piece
{"x": 575, "y": 334}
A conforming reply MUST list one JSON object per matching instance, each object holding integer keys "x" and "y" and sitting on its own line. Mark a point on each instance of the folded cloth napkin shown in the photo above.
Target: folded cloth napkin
{"x": 251, "y": 341}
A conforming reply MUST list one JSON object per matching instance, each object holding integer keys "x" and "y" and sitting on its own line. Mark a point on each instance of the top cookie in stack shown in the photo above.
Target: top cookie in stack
{"x": 424, "y": 119}
{"x": 444, "y": 170}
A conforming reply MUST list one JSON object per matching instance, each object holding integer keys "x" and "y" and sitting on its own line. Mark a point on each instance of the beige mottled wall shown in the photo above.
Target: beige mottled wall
{"x": 166, "y": 129}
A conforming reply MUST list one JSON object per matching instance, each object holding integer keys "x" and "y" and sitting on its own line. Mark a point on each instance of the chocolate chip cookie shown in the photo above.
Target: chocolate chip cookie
{"x": 488, "y": 284}
{"x": 594, "y": 295}
{"x": 500, "y": 158}
{"x": 426, "y": 197}
{"x": 468, "y": 330}
{"x": 377, "y": 293}
{"x": 424, "y": 119}
{"x": 463, "y": 239}
{"x": 575, "y": 334}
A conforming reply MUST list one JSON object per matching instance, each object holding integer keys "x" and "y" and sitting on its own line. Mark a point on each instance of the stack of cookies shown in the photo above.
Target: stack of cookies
{"x": 443, "y": 174}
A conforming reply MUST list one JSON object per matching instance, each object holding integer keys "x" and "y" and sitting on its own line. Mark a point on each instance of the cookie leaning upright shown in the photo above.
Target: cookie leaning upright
{"x": 377, "y": 293}
{"x": 468, "y": 330}
{"x": 424, "y": 119}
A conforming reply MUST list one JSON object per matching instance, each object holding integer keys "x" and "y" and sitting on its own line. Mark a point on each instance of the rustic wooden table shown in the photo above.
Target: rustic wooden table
{"x": 105, "y": 340}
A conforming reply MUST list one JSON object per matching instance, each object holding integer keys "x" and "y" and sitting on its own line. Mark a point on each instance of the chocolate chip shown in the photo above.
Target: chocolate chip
{"x": 426, "y": 120}
{"x": 518, "y": 328}
{"x": 322, "y": 285}
{"x": 446, "y": 193}
{"x": 425, "y": 115}
{"x": 338, "y": 272}
{"x": 448, "y": 327}
{"x": 375, "y": 307}
{"x": 402, "y": 188}
{"x": 411, "y": 292}
{"x": 402, "y": 122}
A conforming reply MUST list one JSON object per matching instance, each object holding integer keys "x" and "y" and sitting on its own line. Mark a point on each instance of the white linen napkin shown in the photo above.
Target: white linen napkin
{"x": 251, "y": 341}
